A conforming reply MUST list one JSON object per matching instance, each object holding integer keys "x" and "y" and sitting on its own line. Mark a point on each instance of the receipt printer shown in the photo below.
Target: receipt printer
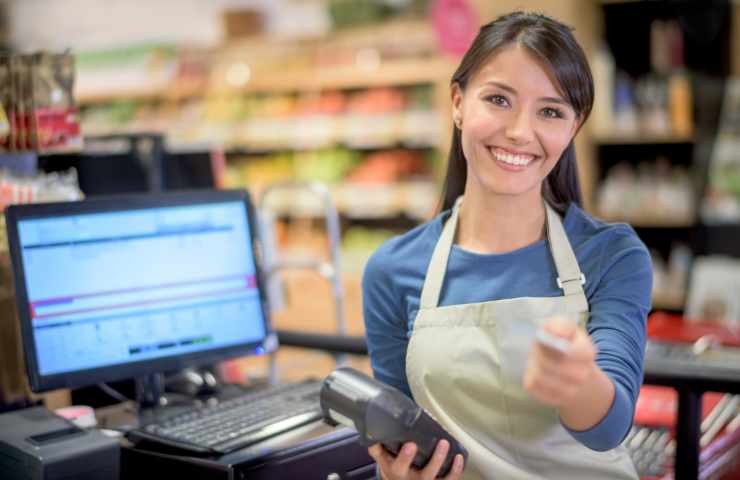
{"x": 36, "y": 444}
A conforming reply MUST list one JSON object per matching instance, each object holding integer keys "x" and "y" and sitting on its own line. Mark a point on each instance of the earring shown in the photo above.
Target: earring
{"x": 457, "y": 121}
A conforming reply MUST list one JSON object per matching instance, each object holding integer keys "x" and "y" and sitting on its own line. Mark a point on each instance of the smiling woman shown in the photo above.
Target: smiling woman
{"x": 456, "y": 310}
{"x": 515, "y": 121}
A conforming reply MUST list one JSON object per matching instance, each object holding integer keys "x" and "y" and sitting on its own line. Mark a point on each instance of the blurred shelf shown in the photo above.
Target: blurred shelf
{"x": 385, "y": 74}
{"x": 643, "y": 139}
{"x": 390, "y": 73}
{"x": 667, "y": 301}
{"x": 616, "y": 2}
{"x": 247, "y": 152}
{"x": 651, "y": 222}
{"x": 414, "y": 200}
{"x": 133, "y": 95}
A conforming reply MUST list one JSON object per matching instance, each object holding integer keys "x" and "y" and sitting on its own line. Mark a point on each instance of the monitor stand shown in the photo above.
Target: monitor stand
{"x": 150, "y": 391}
{"x": 193, "y": 382}
{"x": 153, "y": 390}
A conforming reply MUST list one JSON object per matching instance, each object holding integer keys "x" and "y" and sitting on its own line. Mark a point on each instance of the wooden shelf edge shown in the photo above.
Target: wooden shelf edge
{"x": 668, "y": 302}
{"x": 642, "y": 140}
{"x": 648, "y": 223}
{"x": 389, "y": 73}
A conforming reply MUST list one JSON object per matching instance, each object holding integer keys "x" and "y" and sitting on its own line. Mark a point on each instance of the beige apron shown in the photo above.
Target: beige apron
{"x": 465, "y": 365}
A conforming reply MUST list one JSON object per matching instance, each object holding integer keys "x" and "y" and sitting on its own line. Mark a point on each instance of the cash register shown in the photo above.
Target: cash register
{"x": 140, "y": 285}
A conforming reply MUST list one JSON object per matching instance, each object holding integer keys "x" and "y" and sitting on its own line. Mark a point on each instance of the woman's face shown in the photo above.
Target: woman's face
{"x": 514, "y": 122}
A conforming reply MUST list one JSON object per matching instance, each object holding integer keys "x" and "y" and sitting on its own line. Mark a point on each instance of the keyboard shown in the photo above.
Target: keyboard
{"x": 237, "y": 422}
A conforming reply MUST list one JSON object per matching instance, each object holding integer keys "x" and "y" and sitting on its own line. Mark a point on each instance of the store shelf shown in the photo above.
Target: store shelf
{"x": 618, "y": 2}
{"x": 386, "y": 73}
{"x": 643, "y": 139}
{"x": 142, "y": 95}
{"x": 414, "y": 200}
{"x": 668, "y": 301}
{"x": 650, "y": 222}
{"x": 393, "y": 73}
{"x": 244, "y": 151}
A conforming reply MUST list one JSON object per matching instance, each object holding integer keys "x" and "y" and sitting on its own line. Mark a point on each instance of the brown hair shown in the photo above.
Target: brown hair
{"x": 554, "y": 45}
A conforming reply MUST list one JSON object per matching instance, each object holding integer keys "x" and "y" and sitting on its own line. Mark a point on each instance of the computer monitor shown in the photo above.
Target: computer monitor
{"x": 121, "y": 172}
{"x": 128, "y": 286}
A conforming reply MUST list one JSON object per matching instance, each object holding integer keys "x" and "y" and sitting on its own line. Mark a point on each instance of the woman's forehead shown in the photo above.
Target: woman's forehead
{"x": 520, "y": 69}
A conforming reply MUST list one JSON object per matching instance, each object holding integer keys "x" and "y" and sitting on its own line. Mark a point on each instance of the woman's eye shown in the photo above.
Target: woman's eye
{"x": 499, "y": 100}
{"x": 550, "y": 112}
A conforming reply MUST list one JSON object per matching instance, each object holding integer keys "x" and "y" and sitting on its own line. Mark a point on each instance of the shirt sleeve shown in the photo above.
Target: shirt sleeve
{"x": 385, "y": 323}
{"x": 619, "y": 307}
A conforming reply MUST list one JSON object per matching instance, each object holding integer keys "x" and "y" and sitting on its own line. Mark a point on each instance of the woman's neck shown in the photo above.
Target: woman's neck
{"x": 500, "y": 223}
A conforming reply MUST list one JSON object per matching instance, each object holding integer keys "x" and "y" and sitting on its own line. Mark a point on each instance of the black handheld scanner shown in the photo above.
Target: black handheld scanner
{"x": 383, "y": 414}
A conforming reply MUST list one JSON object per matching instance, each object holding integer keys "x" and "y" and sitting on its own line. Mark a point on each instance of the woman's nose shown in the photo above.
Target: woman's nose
{"x": 519, "y": 130}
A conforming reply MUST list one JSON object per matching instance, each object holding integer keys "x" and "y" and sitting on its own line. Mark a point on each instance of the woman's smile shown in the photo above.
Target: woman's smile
{"x": 512, "y": 161}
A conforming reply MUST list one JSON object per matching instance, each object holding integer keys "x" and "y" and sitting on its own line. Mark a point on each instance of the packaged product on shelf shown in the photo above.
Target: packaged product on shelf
{"x": 139, "y": 70}
{"x": 257, "y": 172}
{"x": 4, "y": 127}
{"x": 652, "y": 102}
{"x": 656, "y": 193}
{"x": 421, "y": 124}
{"x": 44, "y": 187}
{"x": 670, "y": 278}
{"x": 327, "y": 166}
{"x": 219, "y": 118}
{"x": 680, "y": 102}
{"x": 5, "y": 99}
{"x": 192, "y": 72}
{"x": 346, "y": 13}
{"x": 269, "y": 123}
{"x": 26, "y": 65}
{"x": 713, "y": 291}
{"x": 318, "y": 120}
{"x": 722, "y": 201}
{"x": 368, "y": 200}
{"x": 54, "y": 116}
{"x": 625, "y": 110}
{"x": 373, "y": 118}
{"x": 602, "y": 113}
{"x": 19, "y": 108}
{"x": 387, "y": 166}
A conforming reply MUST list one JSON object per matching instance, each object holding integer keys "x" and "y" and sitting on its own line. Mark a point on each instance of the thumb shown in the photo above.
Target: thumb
{"x": 561, "y": 327}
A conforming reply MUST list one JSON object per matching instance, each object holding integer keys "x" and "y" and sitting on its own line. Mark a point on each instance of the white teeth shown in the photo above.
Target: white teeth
{"x": 513, "y": 159}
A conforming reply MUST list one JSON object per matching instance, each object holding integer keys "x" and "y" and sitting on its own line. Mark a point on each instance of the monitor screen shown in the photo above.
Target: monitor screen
{"x": 115, "y": 288}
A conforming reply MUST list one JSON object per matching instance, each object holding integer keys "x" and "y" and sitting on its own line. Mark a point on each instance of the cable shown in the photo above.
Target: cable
{"x": 113, "y": 393}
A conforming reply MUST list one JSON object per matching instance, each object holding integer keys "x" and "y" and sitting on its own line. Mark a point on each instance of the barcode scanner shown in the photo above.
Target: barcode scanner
{"x": 383, "y": 414}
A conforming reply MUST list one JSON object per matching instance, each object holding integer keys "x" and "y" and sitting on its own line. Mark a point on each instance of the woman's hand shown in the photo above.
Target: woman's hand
{"x": 554, "y": 377}
{"x": 400, "y": 468}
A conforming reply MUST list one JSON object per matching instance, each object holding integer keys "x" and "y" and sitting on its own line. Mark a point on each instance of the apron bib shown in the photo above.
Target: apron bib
{"x": 465, "y": 365}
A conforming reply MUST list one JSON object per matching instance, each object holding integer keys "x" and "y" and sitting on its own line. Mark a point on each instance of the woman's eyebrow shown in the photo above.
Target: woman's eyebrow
{"x": 502, "y": 86}
{"x": 513, "y": 91}
{"x": 557, "y": 100}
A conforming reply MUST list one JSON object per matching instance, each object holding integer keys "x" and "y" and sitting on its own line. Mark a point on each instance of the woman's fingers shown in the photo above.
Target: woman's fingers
{"x": 431, "y": 469}
{"x": 457, "y": 468}
{"x": 400, "y": 467}
{"x": 383, "y": 458}
{"x": 402, "y": 463}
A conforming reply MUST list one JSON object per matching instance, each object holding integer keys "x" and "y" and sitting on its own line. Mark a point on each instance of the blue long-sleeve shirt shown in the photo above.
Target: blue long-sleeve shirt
{"x": 618, "y": 288}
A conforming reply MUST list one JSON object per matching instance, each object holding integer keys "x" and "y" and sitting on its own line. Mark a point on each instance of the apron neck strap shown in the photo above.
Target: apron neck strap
{"x": 438, "y": 265}
{"x": 570, "y": 279}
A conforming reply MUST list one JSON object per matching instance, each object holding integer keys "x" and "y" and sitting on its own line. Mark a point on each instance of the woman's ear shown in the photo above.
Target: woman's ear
{"x": 456, "y": 94}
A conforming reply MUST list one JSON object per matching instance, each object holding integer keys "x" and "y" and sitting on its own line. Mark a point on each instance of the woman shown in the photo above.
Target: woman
{"x": 455, "y": 307}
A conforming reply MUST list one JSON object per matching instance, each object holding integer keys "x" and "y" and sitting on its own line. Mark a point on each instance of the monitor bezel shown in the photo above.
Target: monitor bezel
{"x": 128, "y": 202}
